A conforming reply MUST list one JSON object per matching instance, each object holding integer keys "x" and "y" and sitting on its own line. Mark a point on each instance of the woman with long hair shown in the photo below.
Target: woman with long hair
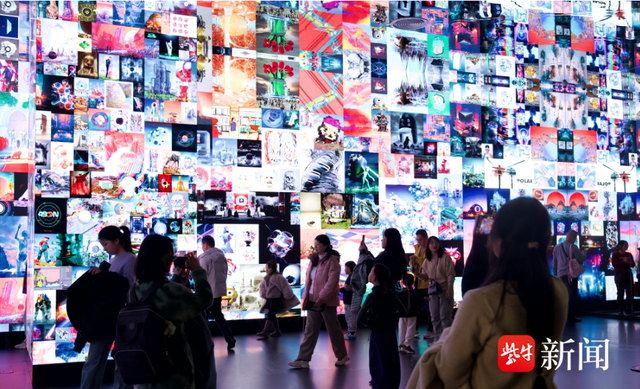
{"x": 392, "y": 257}
{"x": 320, "y": 298}
{"x": 437, "y": 269}
{"x": 519, "y": 296}
{"x": 477, "y": 265}
{"x": 174, "y": 302}
{"x": 116, "y": 241}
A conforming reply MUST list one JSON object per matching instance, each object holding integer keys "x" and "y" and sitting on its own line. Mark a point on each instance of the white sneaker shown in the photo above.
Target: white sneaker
{"x": 21, "y": 346}
{"x": 342, "y": 361}
{"x": 299, "y": 364}
{"x": 416, "y": 335}
{"x": 429, "y": 335}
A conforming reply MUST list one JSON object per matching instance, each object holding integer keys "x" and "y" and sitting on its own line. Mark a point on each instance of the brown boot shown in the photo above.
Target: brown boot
{"x": 266, "y": 330}
{"x": 276, "y": 329}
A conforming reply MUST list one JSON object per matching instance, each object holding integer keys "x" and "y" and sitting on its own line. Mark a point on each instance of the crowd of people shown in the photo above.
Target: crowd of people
{"x": 507, "y": 286}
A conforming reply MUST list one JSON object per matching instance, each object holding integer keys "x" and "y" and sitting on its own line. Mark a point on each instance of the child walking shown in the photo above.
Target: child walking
{"x": 381, "y": 310}
{"x": 347, "y": 298}
{"x": 279, "y": 298}
{"x": 407, "y": 325}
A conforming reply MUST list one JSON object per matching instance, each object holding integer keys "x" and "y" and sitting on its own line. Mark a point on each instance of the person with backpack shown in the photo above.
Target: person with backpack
{"x": 174, "y": 304}
{"x": 277, "y": 292}
{"x": 412, "y": 300}
{"x": 116, "y": 241}
{"x": 562, "y": 255}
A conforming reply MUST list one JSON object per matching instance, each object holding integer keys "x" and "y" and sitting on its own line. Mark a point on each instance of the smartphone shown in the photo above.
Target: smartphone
{"x": 180, "y": 262}
{"x": 362, "y": 238}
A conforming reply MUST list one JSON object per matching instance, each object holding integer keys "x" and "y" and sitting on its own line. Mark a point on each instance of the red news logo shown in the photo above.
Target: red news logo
{"x": 516, "y": 353}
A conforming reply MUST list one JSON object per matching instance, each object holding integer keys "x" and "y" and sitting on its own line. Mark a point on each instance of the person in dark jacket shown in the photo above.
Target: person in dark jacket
{"x": 199, "y": 339}
{"x": 347, "y": 297}
{"x": 412, "y": 300}
{"x": 93, "y": 303}
{"x": 392, "y": 257}
{"x": 477, "y": 265}
{"x": 380, "y": 311}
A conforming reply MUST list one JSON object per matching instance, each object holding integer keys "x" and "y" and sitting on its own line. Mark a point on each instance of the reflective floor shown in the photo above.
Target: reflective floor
{"x": 263, "y": 364}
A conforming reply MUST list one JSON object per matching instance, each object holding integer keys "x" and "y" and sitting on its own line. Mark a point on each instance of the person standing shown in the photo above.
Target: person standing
{"x": 279, "y": 298}
{"x": 561, "y": 255}
{"x": 416, "y": 260}
{"x": 320, "y": 298}
{"x": 380, "y": 311}
{"x": 438, "y": 269}
{"x": 392, "y": 257}
{"x": 407, "y": 325}
{"x": 116, "y": 241}
{"x": 214, "y": 263}
{"x": 177, "y": 304}
{"x": 347, "y": 299}
{"x": 519, "y": 296}
{"x": 622, "y": 262}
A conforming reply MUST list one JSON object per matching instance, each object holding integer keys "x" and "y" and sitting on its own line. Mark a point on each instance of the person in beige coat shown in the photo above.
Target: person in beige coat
{"x": 438, "y": 268}
{"x": 279, "y": 298}
{"x": 519, "y": 297}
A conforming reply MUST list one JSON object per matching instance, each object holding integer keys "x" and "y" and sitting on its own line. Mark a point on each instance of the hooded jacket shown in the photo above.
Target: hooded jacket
{"x": 214, "y": 263}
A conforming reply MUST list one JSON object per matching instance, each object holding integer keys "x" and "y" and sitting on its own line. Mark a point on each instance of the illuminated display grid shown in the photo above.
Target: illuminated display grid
{"x": 267, "y": 123}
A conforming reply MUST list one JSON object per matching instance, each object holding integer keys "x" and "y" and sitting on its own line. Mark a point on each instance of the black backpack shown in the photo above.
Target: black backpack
{"x": 141, "y": 343}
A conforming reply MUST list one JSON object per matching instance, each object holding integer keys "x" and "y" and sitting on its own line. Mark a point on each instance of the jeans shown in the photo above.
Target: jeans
{"x": 312, "y": 331}
{"x": 572, "y": 288}
{"x": 406, "y": 330}
{"x": 93, "y": 369}
{"x": 351, "y": 313}
{"x": 441, "y": 309}
{"x": 216, "y": 312}
{"x": 624, "y": 282}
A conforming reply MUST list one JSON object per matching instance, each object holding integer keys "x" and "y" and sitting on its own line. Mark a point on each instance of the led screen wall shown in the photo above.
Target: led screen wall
{"x": 267, "y": 123}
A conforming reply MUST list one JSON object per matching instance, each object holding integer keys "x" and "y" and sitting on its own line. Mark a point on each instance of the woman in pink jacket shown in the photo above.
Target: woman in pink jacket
{"x": 321, "y": 298}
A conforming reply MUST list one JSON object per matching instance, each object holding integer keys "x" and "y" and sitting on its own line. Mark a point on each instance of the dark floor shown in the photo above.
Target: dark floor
{"x": 263, "y": 364}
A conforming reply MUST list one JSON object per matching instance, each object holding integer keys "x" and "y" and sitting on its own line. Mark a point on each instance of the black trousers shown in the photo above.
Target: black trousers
{"x": 572, "y": 288}
{"x": 424, "y": 315}
{"x": 384, "y": 361}
{"x": 215, "y": 311}
{"x": 624, "y": 282}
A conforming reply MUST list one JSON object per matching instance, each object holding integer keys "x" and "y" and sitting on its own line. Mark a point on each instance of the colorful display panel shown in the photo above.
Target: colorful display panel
{"x": 266, "y": 123}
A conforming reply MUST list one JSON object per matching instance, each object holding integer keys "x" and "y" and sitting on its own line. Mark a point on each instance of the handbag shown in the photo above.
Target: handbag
{"x": 574, "y": 268}
{"x": 434, "y": 287}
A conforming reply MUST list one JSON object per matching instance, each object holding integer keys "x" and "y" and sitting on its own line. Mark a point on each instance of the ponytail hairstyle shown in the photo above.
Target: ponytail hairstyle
{"x": 522, "y": 228}
{"x": 330, "y": 251}
{"x": 122, "y": 234}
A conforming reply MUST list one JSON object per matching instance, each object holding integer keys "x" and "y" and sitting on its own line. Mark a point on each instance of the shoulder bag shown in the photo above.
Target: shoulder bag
{"x": 574, "y": 268}
{"x": 434, "y": 287}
